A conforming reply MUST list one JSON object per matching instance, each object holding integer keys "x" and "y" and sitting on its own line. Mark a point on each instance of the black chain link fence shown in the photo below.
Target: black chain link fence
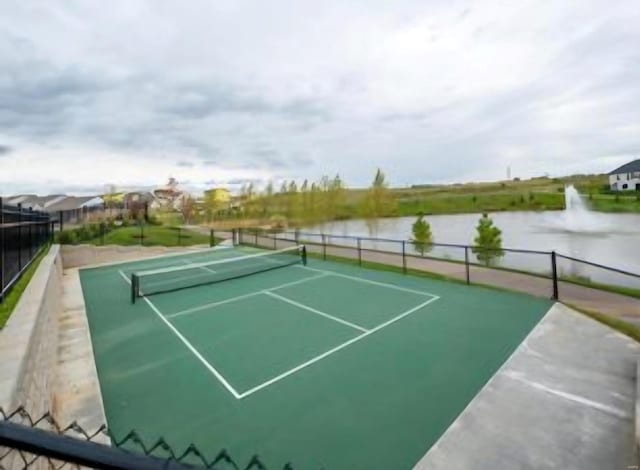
{"x": 35, "y": 443}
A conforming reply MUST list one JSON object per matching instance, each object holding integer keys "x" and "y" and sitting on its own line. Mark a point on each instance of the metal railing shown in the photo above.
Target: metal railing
{"x": 466, "y": 263}
{"x": 23, "y": 233}
{"x": 26, "y": 443}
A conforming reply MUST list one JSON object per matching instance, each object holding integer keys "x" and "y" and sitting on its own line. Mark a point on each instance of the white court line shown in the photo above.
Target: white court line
{"x": 241, "y": 297}
{"x": 188, "y": 344}
{"x": 334, "y": 350}
{"x": 204, "y": 268}
{"x": 313, "y": 310}
{"x": 369, "y": 281}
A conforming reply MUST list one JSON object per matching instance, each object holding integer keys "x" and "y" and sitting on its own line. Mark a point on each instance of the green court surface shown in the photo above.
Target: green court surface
{"x": 323, "y": 366}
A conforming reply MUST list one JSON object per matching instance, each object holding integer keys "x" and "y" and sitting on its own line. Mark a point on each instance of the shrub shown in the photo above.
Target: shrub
{"x": 67, "y": 237}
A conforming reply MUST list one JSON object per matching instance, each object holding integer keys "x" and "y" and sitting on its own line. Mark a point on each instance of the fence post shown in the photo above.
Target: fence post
{"x": 141, "y": 233}
{"x": 103, "y": 228}
{"x": 466, "y": 263}
{"x": 19, "y": 237}
{"x": 179, "y": 236}
{"x": 275, "y": 241}
{"x": 256, "y": 236}
{"x": 554, "y": 273}
{"x": 212, "y": 238}
{"x": 404, "y": 257}
{"x": 324, "y": 247}
{"x": 359, "y": 252}
{"x": 60, "y": 213}
{"x": 30, "y": 233}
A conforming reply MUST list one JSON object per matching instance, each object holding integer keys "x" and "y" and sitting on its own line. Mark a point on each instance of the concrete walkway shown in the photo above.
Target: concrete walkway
{"x": 565, "y": 399}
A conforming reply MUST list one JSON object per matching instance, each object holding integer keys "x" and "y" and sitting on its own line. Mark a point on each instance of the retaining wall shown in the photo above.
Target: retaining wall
{"x": 75, "y": 256}
{"x": 29, "y": 341}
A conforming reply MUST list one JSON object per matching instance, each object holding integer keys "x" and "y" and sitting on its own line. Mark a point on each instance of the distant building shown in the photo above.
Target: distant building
{"x": 626, "y": 178}
{"x": 220, "y": 196}
{"x": 168, "y": 196}
{"x": 68, "y": 209}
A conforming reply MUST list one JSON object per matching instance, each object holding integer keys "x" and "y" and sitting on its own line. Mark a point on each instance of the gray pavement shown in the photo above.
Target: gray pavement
{"x": 564, "y": 400}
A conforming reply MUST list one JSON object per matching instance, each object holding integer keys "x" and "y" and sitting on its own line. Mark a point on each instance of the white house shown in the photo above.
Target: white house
{"x": 626, "y": 178}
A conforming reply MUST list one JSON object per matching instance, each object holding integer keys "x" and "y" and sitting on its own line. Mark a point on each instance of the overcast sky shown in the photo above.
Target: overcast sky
{"x": 217, "y": 92}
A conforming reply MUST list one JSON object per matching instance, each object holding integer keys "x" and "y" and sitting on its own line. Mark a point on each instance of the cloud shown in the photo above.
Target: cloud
{"x": 430, "y": 92}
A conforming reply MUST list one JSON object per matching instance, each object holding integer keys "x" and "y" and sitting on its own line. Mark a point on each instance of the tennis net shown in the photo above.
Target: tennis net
{"x": 173, "y": 278}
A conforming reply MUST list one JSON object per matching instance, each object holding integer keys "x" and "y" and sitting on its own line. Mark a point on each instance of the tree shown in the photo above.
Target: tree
{"x": 187, "y": 208}
{"x": 488, "y": 242}
{"x": 378, "y": 201}
{"x": 335, "y": 197}
{"x": 422, "y": 237}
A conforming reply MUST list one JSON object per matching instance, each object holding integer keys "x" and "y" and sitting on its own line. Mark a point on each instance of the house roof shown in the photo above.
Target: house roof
{"x": 628, "y": 168}
{"x": 71, "y": 203}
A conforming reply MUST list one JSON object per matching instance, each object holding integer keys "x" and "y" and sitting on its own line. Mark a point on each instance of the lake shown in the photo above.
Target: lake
{"x": 603, "y": 238}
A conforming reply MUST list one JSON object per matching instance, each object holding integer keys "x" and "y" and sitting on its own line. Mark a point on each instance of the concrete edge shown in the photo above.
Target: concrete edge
{"x": 490, "y": 381}
{"x": 92, "y": 371}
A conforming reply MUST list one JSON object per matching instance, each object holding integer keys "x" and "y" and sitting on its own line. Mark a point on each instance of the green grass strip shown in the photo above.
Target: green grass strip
{"x": 628, "y": 329}
{"x": 12, "y": 298}
{"x": 154, "y": 235}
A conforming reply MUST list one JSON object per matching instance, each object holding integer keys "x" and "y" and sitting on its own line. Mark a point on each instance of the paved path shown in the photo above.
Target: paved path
{"x": 615, "y": 305}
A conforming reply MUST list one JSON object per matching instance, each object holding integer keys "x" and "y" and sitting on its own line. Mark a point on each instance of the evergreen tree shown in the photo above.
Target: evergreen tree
{"x": 488, "y": 242}
{"x": 422, "y": 237}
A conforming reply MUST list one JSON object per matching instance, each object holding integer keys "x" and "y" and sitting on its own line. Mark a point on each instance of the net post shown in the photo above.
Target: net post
{"x": 359, "y": 252}
{"x": 404, "y": 257}
{"x": 554, "y": 273}
{"x": 466, "y": 263}
{"x": 304, "y": 255}
{"x": 135, "y": 289}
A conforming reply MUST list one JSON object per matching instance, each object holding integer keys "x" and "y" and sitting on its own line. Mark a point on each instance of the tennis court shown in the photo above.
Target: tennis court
{"x": 320, "y": 364}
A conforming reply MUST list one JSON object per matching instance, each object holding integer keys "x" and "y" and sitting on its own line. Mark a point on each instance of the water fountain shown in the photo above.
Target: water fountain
{"x": 576, "y": 217}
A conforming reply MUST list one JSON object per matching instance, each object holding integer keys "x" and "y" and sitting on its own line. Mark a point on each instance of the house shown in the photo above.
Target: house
{"x": 219, "y": 196}
{"x": 168, "y": 196}
{"x": 67, "y": 209}
{"x": 626, "y": 178}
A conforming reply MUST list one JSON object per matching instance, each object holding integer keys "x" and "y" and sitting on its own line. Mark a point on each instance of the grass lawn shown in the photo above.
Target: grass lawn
{"x": 153, "y": 235}
{"x": 10, "y": 301}
{"x": 608, "y": 203}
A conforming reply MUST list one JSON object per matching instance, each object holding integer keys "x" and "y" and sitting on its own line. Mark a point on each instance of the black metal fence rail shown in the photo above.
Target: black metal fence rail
{"x": 42, "y": 443}
{"x": 444, "y": 257}
{"x": 23, "y": 233}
